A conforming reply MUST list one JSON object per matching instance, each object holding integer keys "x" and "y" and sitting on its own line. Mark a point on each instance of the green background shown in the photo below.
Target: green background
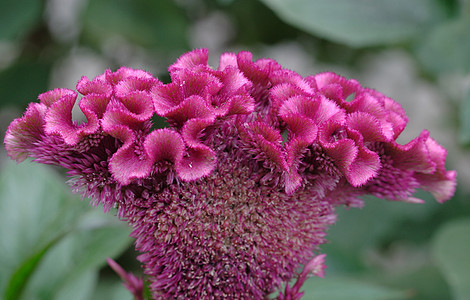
{"x": 53, "y": 245}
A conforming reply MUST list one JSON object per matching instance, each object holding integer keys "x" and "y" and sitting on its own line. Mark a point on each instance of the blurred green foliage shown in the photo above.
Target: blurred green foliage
{"x": 383, "y": 251}
{"x": 52, "y": 244}
{"x": 22, "y": 82}
{"x": 18, "y": 18}
{"x": 360, "y": 23}
{"x": 151, "y": 24}
{"x": 451, "y": 248}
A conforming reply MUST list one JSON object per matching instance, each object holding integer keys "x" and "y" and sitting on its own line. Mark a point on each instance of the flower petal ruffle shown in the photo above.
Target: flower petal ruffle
{"x": 23, "y": 133}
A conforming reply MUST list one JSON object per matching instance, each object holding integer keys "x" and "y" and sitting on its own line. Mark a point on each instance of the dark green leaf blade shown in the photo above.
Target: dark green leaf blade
{"x": 360, "y": 23}
{"x": 84, "y": 251}
{"x": 36, "y": 209}
{"x": 451, "y": 251}
{"x": 20, "y": 277}
{"x": 49, "y": 238}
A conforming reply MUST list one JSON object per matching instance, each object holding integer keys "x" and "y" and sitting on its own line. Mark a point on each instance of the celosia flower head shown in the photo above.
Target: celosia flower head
{"x": 236, "y": 194}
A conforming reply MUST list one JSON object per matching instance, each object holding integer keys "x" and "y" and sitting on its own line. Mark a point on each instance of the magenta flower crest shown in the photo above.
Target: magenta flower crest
{"x": 236, "y": 195}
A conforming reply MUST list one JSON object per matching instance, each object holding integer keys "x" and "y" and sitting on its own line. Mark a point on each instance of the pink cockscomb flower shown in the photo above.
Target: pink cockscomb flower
{"x": 235, "y": 196}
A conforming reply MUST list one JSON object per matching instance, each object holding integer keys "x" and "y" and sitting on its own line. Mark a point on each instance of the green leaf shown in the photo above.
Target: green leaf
{"x": 451, "y": 250}
{"x": 23, "y": 82}
{"x": 360, "y": 23}
{"x": 82, "y": 252}
{"x": 336, "y": 288}
{"x": 81, "y": 288}
{"x": 424, "y": 282}
{"x": 155, "y": 24}
{"x": 446, "y": 48}
{"x": 36, "y": 209}
{"x": 18, "y": 17}
{"x": 358, "y": 230}
{"x": 464, "y": 130}
{"x": 112, "y": 289}
{"x": 50, "y": 238}
{"x": 21, "y": 276}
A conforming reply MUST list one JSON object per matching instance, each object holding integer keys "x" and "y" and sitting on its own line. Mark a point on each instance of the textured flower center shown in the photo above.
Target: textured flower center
{"x": 338, "y": 134}
{"x": 89, "y": 142}
{"x": 232, "y": 234}
{"x": 139, "y": 150}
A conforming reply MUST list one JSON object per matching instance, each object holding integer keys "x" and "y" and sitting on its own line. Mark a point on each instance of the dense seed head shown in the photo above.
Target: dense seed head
{"x": 228, "y": 236}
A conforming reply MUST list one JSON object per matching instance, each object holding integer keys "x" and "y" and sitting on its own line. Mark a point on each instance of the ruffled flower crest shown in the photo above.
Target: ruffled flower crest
{"x": 237, "y": 193}
{"x": 23, "y": 133}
